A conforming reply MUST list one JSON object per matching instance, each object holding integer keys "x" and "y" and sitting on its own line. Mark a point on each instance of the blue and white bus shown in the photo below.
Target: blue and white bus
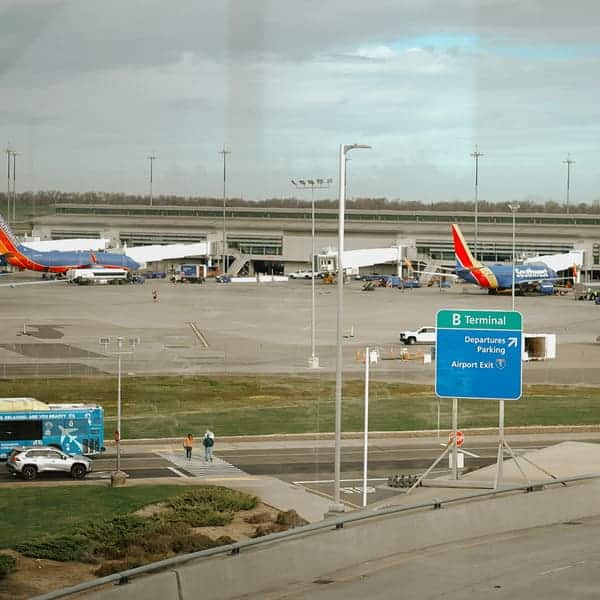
{"x": 74, "y": 428}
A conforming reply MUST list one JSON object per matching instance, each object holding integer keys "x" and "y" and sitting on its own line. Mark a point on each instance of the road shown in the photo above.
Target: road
{"x": 556, "y": 562}
{"x": 313, "y": 467}
{"x": 309, "y": 463}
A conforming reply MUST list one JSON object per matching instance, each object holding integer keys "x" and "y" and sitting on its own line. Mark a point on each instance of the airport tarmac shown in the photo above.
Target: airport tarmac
{"x": 54, "y": 330}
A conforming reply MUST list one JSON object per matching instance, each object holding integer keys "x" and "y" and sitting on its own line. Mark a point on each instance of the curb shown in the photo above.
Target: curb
{"x": 353, "y": 435}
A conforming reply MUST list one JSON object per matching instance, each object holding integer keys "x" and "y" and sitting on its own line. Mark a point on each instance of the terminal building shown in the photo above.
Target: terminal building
{"x": 278, "y": 240}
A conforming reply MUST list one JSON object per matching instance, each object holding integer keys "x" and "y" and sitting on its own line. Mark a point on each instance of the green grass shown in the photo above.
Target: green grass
{"x": 34, "y": 512}
{"x": 233, "y": 405}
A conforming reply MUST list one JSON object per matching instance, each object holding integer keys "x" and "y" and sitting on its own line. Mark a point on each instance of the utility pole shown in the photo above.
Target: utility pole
{"x": 476, "y": 155}
{"x": 151, "y": 158}
{"x": 224, "y": 153}
{"x": 568, "y": 162}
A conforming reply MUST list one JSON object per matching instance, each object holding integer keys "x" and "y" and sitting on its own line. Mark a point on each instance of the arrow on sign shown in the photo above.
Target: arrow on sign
{"x": 512, "y": 342}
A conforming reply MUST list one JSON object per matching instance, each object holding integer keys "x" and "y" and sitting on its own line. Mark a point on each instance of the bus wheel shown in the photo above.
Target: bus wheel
{"x": 78, "y": 471}
{"x": 29, "y": 472}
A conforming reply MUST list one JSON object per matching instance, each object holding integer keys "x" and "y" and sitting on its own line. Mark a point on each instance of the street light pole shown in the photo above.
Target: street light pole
{"x": 105, "y": 342}
{"x": 151, "y": 158}
{"x": 313, "y": 184}
{"x": 224, "y": 153}
{"x": 476, "y": 155}
{"x": 568, "y": 162}
{"x": 337, "y": 505}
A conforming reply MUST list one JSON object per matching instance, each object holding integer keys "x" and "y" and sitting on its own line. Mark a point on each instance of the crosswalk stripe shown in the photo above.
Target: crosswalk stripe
{"x": 198, "y": 467}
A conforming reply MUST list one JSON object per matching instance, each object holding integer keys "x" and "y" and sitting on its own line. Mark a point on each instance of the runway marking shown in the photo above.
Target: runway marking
{"x": 178, "y": 473}
{"x": 341, "y": 480}
{"x": 558, "y": 569}
{"x": 199, "y": 334}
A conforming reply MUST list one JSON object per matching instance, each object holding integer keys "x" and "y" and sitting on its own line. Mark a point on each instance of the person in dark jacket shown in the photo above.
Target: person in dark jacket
{"x": 208, "y": 442}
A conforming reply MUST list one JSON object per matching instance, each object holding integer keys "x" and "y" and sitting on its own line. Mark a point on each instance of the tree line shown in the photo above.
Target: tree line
{"x": 42, "y": 202}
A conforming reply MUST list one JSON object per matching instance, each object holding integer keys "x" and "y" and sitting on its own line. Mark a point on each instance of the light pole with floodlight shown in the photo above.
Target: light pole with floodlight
{"x": 513, "y": 208}
{"x": 568, "y": 162}
{"x": 337, "y": 505}
{"x": 476, "y": 155}
{"x": 8, "y": 155}
{"x": 224, "y": 153}
{"x": 105, "y": 342}
{"x": 313, "y": 184}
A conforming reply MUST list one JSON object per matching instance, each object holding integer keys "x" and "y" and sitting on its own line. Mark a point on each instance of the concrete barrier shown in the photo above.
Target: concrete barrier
{"x": 309, "y": 556}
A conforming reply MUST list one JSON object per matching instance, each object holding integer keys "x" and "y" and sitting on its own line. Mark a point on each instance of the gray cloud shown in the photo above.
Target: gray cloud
{"x": 100, "y": 84}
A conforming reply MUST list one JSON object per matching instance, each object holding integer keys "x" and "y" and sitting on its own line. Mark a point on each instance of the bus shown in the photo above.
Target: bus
{"x": 73, "y": 428}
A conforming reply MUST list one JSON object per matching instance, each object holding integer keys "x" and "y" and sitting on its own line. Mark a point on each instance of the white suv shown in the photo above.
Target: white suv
{"x": 29, "y": 462}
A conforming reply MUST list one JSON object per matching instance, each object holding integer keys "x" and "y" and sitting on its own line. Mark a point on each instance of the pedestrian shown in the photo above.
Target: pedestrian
{"x": 188, "y": 444}
{"x": 208, "y": 442}
{"x": 154, "y": 295}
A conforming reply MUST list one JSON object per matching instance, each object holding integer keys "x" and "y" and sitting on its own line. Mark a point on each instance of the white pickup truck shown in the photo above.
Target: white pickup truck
{"x": 423, "y": 335}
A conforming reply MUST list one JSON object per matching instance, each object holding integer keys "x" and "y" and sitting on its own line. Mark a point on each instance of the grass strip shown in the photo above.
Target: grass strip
{"x": 37, "y": 512}
{"x": 241, "y": 404}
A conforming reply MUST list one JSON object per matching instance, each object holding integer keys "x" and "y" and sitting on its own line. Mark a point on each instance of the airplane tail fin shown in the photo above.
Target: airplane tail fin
{"x": 9, "y": 244}
{"x": 464, "y": 259}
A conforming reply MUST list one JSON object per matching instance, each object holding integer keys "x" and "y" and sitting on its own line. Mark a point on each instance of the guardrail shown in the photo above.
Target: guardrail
{"x": 124, "y": 577}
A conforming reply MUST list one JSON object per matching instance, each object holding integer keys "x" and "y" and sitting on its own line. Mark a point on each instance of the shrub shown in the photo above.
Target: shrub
{"x": 157, "y": 544}
{"x": 193, "y": 542}
{"x": 8, "y": 565}
{"x": 285, "y": 520}
{"x": 119, "y": 531}
{"x": 61, "y": 548}
{"x": 263, "y": 517}
{"x": 199, "y": 516}
{"x": 116, "y": 566}
{"x": 224, "y": 540}
{"x": 218, "y": 498}
{"x": 290, "y": 518}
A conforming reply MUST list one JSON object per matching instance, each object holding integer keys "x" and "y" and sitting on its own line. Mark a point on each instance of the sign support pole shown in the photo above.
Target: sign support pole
{"x": 454, "y": 445}
{"x": 366, "y": 440}
{"x": 500, "y": 458}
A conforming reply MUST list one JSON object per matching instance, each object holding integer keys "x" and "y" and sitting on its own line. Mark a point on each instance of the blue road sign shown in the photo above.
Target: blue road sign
{"x": 479, "y": 354}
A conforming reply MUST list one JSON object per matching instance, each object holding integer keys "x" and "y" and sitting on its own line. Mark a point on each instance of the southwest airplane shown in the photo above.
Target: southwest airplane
{"x": 56, "y": 261}
{"x": 498, "y": 278}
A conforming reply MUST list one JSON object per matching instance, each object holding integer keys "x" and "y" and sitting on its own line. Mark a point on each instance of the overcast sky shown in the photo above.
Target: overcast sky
{"x": 89, "y": 88}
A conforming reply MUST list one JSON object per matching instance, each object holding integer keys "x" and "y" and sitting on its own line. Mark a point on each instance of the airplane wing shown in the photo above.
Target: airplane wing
{"x": 68, "y": 245}
{"x": 145, "y": 254}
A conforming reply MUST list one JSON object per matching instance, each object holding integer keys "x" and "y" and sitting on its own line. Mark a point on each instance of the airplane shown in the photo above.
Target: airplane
{"x": 498, "y": 278}
{"x": 57, "y": 261}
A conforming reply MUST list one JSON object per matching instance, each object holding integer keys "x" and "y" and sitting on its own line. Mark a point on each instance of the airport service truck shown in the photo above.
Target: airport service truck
{"x": 191, "y": 274}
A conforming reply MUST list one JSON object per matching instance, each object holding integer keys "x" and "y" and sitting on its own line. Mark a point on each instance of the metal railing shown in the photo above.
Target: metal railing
{"x": 124, "y": 577}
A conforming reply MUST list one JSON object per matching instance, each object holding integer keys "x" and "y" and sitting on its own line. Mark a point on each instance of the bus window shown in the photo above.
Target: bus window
{"x": 20, "y": 430}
